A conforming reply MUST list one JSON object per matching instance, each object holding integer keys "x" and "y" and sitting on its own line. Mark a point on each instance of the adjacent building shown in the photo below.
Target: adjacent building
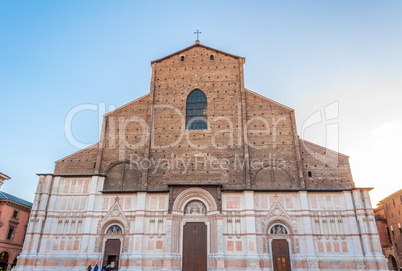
{"x": 14, "y": 215}
{"x": 203, "y": 174}
{"x": 389, "y": 219}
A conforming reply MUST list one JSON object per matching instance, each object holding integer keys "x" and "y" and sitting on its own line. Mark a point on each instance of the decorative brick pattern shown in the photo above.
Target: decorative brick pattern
{"x": 250, "y": 175}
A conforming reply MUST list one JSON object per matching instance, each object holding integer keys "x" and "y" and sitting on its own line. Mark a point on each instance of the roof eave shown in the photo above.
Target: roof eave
{"x": 390, "y": 196}
{"x": 198, "y": 45}
{"x": 4, "y": 176}
{"x": 329, "y": 150}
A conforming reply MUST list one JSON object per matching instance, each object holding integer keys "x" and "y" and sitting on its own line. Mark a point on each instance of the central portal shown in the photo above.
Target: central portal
{"x": 280, "y": 255}
{"x": 195, "y": 246}
{"x": 112, "y": 253}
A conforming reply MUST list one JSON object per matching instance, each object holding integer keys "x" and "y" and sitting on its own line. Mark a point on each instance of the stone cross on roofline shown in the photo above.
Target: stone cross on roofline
{"x": 198, "y": 32}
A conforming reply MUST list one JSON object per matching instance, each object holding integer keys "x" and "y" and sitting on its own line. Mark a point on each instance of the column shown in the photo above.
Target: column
{"x": 352, "y": 227}
{"x": 306, "y": 221}
{"x": 253, "y": 260}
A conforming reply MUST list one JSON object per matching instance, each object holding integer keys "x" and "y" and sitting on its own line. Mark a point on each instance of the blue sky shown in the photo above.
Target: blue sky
{"x": 55, "y": 55}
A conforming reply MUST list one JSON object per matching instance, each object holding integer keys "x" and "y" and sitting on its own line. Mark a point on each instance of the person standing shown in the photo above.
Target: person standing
{"x": 96, "y": 267}
{"x": 89, "y": 268}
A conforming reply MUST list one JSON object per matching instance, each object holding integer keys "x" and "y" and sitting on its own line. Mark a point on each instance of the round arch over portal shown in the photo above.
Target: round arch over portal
{"x": 114, "y": 228}
{"x": 116, "y": 221}
{"x": 280, "y": 222}
{"x": 278, "y": 229}
{"x": 392, "y": 265}
{"x": 289, "y": 236}
{"x": 194, "y": 194}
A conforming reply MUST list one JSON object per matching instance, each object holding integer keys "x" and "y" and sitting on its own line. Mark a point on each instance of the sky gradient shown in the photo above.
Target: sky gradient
{"x": 56, "y": 55}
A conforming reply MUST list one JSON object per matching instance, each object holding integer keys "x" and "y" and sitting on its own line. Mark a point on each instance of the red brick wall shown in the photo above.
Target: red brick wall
{"x": 20, "y": 223}
{"x": 381, "y": 223}
{"x": 271, "y": 134}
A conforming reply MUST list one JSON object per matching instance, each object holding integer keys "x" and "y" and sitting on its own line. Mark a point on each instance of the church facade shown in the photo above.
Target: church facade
{"x": 201, "y": 174}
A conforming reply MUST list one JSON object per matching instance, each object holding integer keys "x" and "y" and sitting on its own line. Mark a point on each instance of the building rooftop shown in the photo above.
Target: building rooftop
{"x": 4, "y": 195}
{"x": 197, "y": 44}
{"x": 390, "y": 196}
{"x": 4, "y": 176}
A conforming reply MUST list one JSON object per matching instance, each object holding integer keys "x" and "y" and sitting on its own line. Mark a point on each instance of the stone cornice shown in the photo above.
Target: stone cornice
{"x": 15, "y": 205}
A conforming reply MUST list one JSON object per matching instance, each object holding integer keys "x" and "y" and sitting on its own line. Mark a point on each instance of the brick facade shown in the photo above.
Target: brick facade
{"x": 14, "y": 215}
{"x": 271, "y": 128}
{"x": 244, "y": 175}
{"x": 389, "y": 220}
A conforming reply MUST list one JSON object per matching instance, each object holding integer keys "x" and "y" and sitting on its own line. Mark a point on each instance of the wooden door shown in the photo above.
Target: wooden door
{"x": 280, "y": 255}
{"x": 3, "y": 261}
{"x": 195, "y": 247}
{"x": 112, "y": 253}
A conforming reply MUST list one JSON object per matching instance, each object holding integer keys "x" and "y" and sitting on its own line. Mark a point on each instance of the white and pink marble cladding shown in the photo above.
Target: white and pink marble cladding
{"x": 70, "y": 216}
{"x": 323, "y": 226}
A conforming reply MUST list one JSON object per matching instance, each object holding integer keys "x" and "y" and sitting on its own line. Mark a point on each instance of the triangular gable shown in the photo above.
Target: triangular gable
{"x": 303, "y": 141}
{"x": 277, "y": 212}
{"x": 198, "y": 45}
{"x": 87, "y": 149}
{"x": 126, "y": 105}
{"x": 269, "y": 100}
{"x": 115, "y": 213}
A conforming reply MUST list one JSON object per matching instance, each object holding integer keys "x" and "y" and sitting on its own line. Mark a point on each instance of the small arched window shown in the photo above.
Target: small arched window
{"x": 196, "y": 110}
{"x": 310, "y": 174}
{"x": 211, "y": 57}
{"x": 182, "y": 58}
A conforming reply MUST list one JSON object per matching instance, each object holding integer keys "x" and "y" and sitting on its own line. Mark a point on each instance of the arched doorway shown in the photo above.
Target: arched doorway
{"x": 195, "y": 229}
{"x": 280, "y": 248}
{"x": 392, "y": 263}
{"x": 195, "y": 238}
{"x": 280, "y": 255}
{"x": 111, "y": 255}
{"x": 14, "y": 264}
{"x": 195, "y": 247}
{"x": 4, "y": 256}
